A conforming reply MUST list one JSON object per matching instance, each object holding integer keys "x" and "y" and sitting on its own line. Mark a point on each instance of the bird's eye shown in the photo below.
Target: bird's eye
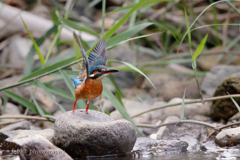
{"x": 99, "y": 70}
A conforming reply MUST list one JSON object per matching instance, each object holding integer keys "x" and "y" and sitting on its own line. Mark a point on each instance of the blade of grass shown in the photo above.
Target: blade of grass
{"x": 136, "y": 69}
{"x": 119, "y": 107}
{"x": 23, "y": 102}
{"x": 189, "y": 33}
{"x": 235, "y": 103}
{"x": 200, "y": 48}
{"x": 111, "y": 31}
{"x": 126, "y": 34}
{"x": 103, "y": 15}
{"x": 41, "y": 58}
{"x": 4, "y": 104}
{"x": 59, "y": 31}
{"x": 49, "y": 94}
{"x": 182, "y": 106}
{"x": 29, "y": 61}
{"x": 37, "y": 106}
{"x": 75, "y": 25}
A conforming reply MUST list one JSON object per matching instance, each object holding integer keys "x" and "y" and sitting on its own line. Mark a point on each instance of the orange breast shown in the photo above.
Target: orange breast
{"x": 90, "y": 90}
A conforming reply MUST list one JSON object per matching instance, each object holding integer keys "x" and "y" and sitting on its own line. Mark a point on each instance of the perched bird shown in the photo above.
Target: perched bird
{"x": 88, "y": 85}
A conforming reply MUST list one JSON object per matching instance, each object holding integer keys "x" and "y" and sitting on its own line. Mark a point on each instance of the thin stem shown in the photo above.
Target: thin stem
{"x": 25, "y": 117}
{"x": 103, "y": 15}
{"x": 188, "y": 102}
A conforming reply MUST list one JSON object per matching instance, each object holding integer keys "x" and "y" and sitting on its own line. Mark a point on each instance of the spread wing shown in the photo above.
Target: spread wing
{"x": 85, "y": 64}
{"x": 99, "y": 55}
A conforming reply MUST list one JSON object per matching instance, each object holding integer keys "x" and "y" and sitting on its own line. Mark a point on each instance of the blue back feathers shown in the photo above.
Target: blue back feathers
{"x": 76, "y": 82}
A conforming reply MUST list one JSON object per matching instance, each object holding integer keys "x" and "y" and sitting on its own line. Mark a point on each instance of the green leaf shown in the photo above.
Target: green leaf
{"x": 144, "y": 4}
{"x": 31, "y": 53}
{"x": 189, "y": 32}
{"x": 111, "y": 31}
{"x": 200, "y": 48}
{"x": 76, "y": 48}
{"x": 119, "y": 107}
{"x": 235, "y": 103}
{"x": 136, "y": 69}
{"x": 49, "y": 94}
{"x": 41, "y": 58}
{"x": 182, "y": 107}
{"x": 23, "y": 102}
{"x": 50, "y": 69}
{"x": 75, "y": 25}
{"x": 40, "y": 111}
{"x": 126, "y": 34}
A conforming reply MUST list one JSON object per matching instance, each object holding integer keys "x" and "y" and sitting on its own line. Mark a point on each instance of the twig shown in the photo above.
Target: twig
{"x": 188, "y": 102}
{"x": 25, "y": 117}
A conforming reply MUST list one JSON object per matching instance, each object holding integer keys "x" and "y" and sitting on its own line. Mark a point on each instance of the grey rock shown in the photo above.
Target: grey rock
{"x": 217, "y": 76}
{"x": 175, "y": 89}
{"x": 165, "y": 131}
{"x": 40, "y": 148}
{"x": 24, "y": 125}
{"x": 12, "y": 109}
{"x": 41, "y": 97}
{"x": 225, "y": 108}
{"x": 189, "y": 109}
{"x": 135, "y": 107}
{"x": 92, "y": 134}
{"x": 159, "y": 147}
{"x": 11, "y": 81}
{"x": 192, "y": 143}
{"x": 19, "y": 137}
{"x": 228, "y": 137}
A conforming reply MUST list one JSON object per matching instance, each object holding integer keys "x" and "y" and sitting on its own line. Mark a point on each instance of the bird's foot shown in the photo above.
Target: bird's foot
{"x": 87, "y": 106}
{"x": 74, "y": 106}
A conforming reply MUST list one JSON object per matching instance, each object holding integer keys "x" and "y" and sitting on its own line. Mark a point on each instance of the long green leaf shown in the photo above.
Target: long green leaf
{"x": 182, "y": 106}
{"x": 144, "y": 4}
{"x": 189, "y": 33}
{"x": 119, "y": 107}
{"x": 75, "y": 25}
{"x": 126, "y": 34}
{"x": 49, "y": 94}
{"x": 26, "y": 103}
{"x": 40, "y": 111}
{"x": 235, "y": 103}
{"x": 121, "y": 21}
{"x": 49, "y": 69}
{"x": 200, "y": 48}
{"x": 29, "y": 61}
{"x": 136, "y": 69}
{"x": 41, "y": 58}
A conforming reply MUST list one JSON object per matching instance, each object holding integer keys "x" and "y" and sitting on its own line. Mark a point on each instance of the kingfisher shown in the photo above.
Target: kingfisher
{"x": 88, "y": 84}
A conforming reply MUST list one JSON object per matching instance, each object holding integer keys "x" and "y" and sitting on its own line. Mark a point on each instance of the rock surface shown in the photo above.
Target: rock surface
{"x": 16, "y": 126}
{"x": 40, "y": 148}
{"x": 135, "y": 107}
{"x": 225, "y": 108}
{"x": 228, "y": 137}
{"x": 93, "y": 134}
{"x": 189, "y": 109}
{"x": 160, "y": 147}
{"x": 216, "y": 77}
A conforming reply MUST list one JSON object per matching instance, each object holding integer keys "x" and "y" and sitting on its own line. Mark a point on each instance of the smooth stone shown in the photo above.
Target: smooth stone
{"x": 39, "y": 147}
{"x": 16, "y": 126}
{"x": 135, "y": 107}
{"x": 93, "y": 134}
{"x": 12, "y": 109}
{"x": 159, "y": 147}
{"x": 217, "y": 75}
{"x": 228, "y": 137}
{"x": 225, "y": 108}
{"x": 189, "y": 109}
{"x": 19, "y": 137}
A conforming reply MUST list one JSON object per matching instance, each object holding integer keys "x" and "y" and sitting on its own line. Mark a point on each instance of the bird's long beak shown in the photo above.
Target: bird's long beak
{"x": 110, "y": 71}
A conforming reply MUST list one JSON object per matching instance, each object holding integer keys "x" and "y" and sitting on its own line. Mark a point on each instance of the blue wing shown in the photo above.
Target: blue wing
{"x": 85, "y": 63}
{"x": 98, "y": 56}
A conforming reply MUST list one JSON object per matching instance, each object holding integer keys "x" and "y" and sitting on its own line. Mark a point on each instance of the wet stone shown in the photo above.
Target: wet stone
{"x": 159, "y": 147}
{"x": 228, "y": 137}
{"x": 93, "y": 134}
